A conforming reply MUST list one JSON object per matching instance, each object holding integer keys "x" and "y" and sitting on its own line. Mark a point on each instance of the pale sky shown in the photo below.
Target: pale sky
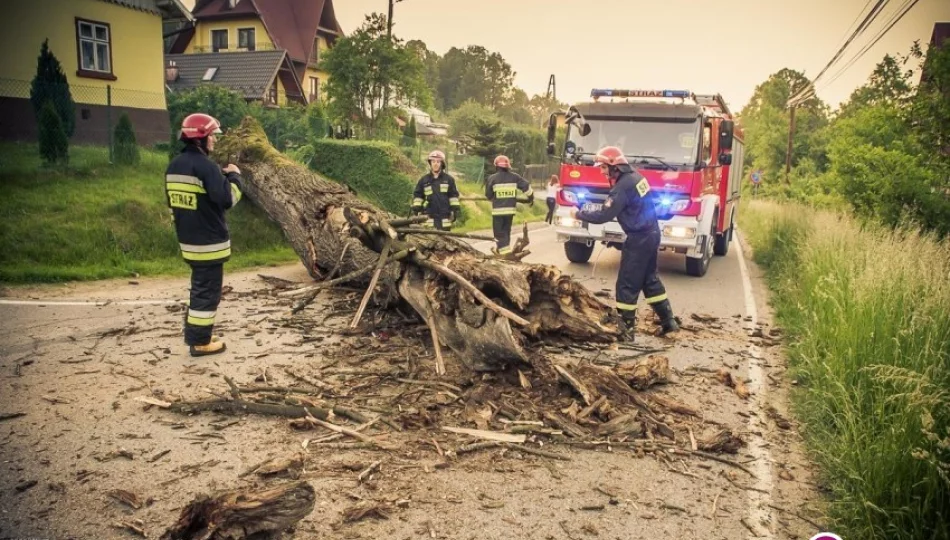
{"x": 725, "y": 46}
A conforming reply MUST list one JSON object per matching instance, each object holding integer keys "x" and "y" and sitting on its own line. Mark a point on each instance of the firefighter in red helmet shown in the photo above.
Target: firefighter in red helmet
{"x": 199, "y": 192}
{"x": 436, "y": 194}
{"x": 631, "y": 202}
{"x": 502, "y": 190}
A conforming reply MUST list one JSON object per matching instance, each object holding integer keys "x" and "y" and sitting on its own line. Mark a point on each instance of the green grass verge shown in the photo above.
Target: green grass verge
{"x": 867, "y": 313}
{"x": 476, "y": 215}
{"x": 95, "y": 221}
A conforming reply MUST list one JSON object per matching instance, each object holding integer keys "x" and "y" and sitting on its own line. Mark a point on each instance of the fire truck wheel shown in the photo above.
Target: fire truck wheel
{"x": 578, "y": 252}
{"x": 722, "y": 243}
{"x": 723, "y": 240}
{"x": 697, "y": 267}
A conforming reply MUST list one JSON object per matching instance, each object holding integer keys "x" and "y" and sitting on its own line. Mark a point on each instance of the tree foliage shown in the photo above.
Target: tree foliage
{"x": 476, "y": 74}
{"x": 50, "y": 85}
{"x": 885, "y": 154}
{"x": 54, "y": 144}
{"x": 126, "y": 148}
{"x": 366, "y": 66}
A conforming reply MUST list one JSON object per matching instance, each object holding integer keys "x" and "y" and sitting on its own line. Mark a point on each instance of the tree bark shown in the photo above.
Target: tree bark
{"x": 320, "y": 217}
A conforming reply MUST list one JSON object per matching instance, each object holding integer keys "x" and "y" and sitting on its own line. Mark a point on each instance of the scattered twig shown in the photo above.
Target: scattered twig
{"x": 235, "y": 391}
{"x": 799, "y": 516}
{"x": 368, "y": 471}
{"x": 430, "y": 322}
{"x": 455, "y": 389}
{"x": 10, "y": 416}
{"x": 445, "y": 233}
{"x": 341, "y": 429}
{"x": 380, "y": 264}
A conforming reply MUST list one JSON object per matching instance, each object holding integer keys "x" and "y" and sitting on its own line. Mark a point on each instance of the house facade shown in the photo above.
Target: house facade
{"x": 112, "y": 54}
{"x": 302, "y": 28}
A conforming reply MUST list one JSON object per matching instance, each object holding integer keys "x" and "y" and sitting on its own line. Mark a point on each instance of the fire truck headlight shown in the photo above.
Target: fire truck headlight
{"x": 569, "y": 196}
{"x": 679, "y": 232}
{"x": 679, "y": 205}
{"x": 565, "y": 221}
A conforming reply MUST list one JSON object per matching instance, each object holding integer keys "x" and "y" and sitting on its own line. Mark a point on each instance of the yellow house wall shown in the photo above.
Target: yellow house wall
{"x": 136, "y": 43}
{"x": 311, "y": 71}
{"x": 201, "y": 42}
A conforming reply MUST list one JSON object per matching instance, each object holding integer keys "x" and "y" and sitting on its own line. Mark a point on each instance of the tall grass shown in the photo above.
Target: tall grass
{"x": 867, "y": 313}
{"x": 94, "y": 221}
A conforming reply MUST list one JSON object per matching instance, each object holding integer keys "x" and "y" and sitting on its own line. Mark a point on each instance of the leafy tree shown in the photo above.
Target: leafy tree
{"x": 430, "y": 60}
{"x": 462, "y": 120}
{"x": 474, "y": 74}
{"x": 516, "y": 109}
{"x": 365, "y": 66}
{"x": 541, "y": 108}
{"x": 888, "y": 84}
{"x": 54, "y": 144}
{"x": 126, "y": 148}
{"x": 227, "y": 106}
{"x": 766, "y": 120}
{"x": 50, "y": 86}
{"x": 487, "y": 142}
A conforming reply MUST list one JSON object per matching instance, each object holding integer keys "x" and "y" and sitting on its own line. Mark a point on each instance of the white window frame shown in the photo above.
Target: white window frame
{"x": 96, "y": 43}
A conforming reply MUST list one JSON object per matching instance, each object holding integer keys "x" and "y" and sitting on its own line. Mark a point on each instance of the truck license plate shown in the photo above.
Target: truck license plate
{"x": 592, "y": 207}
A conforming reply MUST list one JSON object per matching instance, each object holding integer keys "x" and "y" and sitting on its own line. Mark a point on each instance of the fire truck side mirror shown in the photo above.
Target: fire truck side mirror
{"x": 726, "y": 128}
{"x": 725, "y": 159}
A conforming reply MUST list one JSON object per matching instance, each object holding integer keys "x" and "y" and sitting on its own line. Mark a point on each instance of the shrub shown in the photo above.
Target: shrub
{"x": 377, "y": 171}
{"x": 126, "y": 150}
{"x": 54, "y": 144}
{"x": 50, "y": 85}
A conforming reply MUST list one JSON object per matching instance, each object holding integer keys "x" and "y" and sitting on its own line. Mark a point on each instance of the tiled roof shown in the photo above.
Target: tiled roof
{"x": 249, "y": 73}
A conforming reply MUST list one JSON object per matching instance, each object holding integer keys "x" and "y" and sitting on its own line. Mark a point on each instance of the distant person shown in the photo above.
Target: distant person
{"x": 552, "y": 198}
{"x": 199, "y": 192}
{"x": 502, "y": 190}
{"x": 436, "y": 194}
{"x": 630, "y": 202}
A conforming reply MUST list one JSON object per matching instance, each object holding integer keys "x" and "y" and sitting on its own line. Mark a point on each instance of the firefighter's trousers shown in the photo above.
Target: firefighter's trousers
{"x": 206, "y": 282}
{"x": 501, "y": 226}
{"x": 638, "y": 273}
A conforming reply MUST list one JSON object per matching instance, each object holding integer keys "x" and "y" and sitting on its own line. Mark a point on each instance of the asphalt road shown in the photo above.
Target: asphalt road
{"x": 77, "y": 392}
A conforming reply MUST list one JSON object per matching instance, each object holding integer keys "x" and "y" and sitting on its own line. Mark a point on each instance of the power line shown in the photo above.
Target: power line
{"x": 908, "y": 5}
{"x": 861, "y": 28}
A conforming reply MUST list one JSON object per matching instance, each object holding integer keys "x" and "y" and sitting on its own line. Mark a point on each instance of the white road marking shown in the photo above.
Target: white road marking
{"x": 759, "y": 510}
{"x": 99, "y": 303}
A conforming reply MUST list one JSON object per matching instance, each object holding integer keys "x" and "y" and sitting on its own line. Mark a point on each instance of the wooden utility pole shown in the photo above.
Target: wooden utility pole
{"x": 788, "y": 151}
{"x": 389, "y": 20}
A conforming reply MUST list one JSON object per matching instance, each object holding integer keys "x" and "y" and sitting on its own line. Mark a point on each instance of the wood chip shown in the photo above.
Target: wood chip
{"x": 126, "y": 497}
{"x": 153, "y": 401}
{"x": 487, "y": 435}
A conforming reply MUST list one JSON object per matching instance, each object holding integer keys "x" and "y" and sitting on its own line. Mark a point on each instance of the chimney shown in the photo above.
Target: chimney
{"x": 171, "y": 72}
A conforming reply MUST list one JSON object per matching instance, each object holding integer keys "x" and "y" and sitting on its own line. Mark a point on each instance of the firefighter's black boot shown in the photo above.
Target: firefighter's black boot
{"x": 668, "y": 322}
{"x": 628, "y": 326}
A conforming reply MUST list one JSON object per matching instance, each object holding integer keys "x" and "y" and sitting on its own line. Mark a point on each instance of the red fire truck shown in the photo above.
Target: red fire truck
{"x": 686, "y": 145}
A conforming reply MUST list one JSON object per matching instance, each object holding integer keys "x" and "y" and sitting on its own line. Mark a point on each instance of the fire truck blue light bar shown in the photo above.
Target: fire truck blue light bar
{"x": 613, "y": 92}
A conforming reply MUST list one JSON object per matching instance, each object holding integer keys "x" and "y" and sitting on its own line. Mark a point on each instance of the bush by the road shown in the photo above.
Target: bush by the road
{"x": 95, "y": 221}
{"x": 377, "y": 171}
{"x": 867, "y": 313}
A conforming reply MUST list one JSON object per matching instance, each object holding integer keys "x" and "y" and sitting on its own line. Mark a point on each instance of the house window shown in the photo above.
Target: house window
{"x": 219, "y": 40}
{"x": 246, "y": 38}
{"x": 94, "y": 45}
{"x": 272, "y": 93}
{"x": 315, "y": 56}
{"x": 314, "y": 89}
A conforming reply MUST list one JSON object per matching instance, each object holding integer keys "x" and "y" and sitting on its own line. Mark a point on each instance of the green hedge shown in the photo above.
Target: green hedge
{"x": 377, "y": 171}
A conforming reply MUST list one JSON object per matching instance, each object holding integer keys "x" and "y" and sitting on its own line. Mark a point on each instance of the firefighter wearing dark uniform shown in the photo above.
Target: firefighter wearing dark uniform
{"x": 502, "y": 190}
{"x": 630, "y": 201}
{"x": 198, "y": 193}
{"x": 436, "y": 194}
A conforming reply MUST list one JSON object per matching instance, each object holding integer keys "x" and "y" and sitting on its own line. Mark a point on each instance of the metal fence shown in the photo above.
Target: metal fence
{"x": 90, "y": 113}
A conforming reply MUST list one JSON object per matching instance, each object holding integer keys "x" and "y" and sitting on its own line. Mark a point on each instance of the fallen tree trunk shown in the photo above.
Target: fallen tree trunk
{"x": 483, "y": 308}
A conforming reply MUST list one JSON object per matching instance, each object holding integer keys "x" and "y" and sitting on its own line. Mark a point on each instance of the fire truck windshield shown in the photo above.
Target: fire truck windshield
{"x": 671, "y": 141}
